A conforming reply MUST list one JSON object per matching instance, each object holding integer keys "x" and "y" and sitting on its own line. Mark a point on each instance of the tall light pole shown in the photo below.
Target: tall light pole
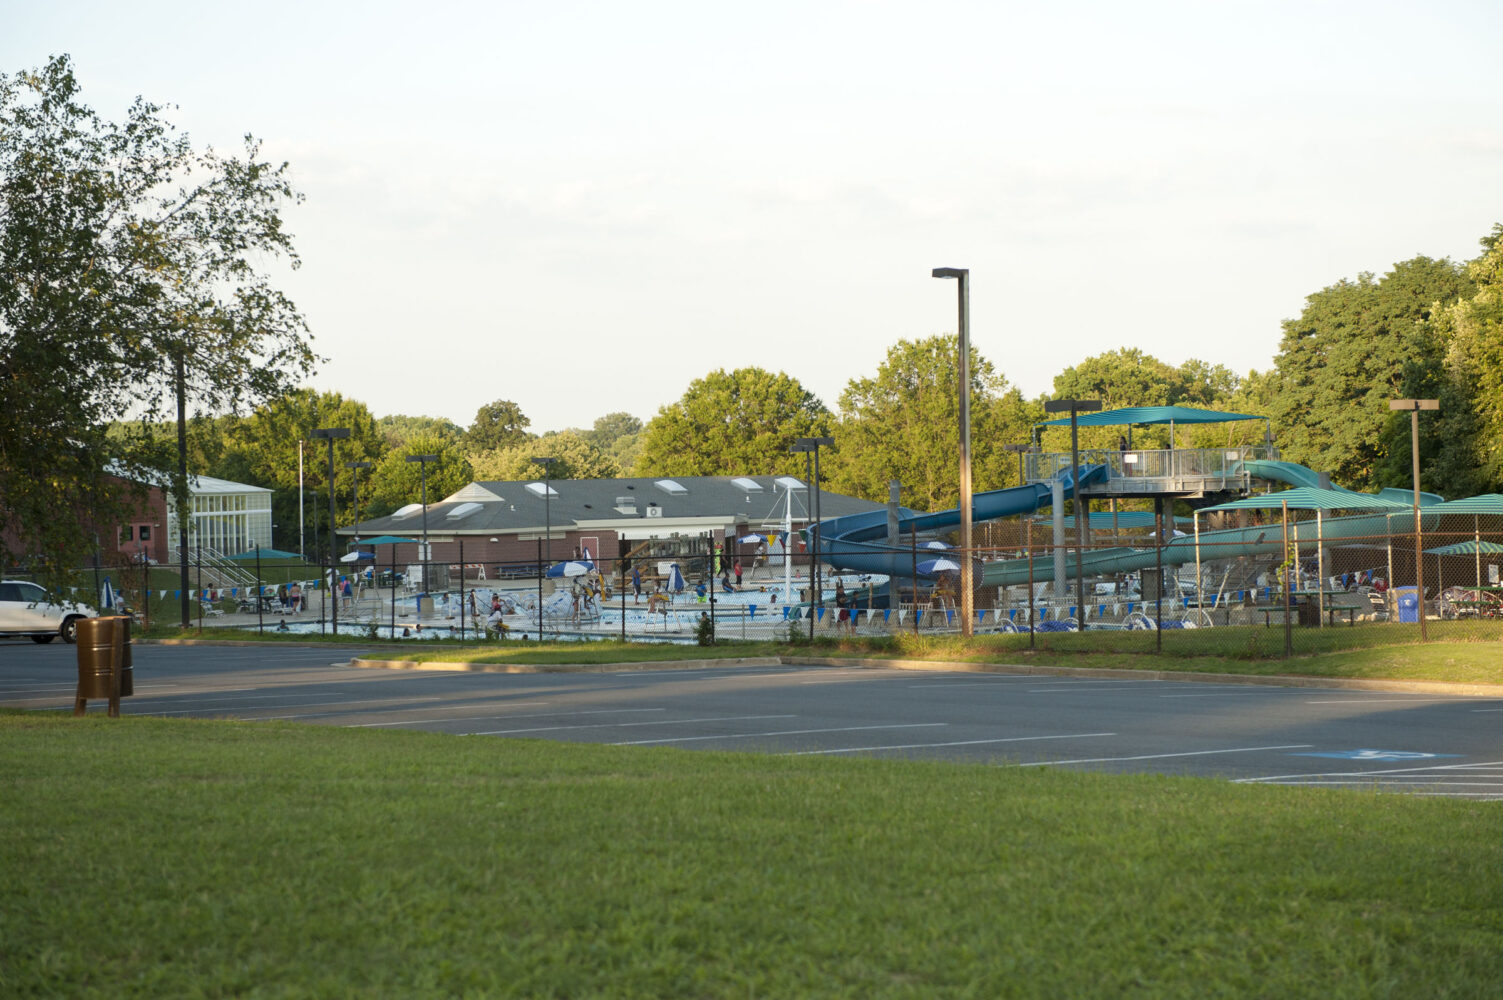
{"x": 807, "y": 445}
{"x": 1414, "y": 406}
{"x": 1082, "y": 512}
{"x": 332, "y": 434}
{"x": 355, "y": 468}
{"x": 967, "y": 598}
{"x": 543, "y": 557}
{"x": 423, "y": 461}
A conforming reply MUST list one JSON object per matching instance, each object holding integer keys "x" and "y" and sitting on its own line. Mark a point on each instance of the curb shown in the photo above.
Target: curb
{"x": 1454, "y": 689}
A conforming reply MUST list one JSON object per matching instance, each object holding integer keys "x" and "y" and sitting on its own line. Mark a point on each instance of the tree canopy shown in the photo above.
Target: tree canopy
{"x": 125, "y": 254}
{"x": 733, "y": 423}
{"x": 498, "y": 424}
{"x": 574, "y": 457}
{"x": 904, "y": 424}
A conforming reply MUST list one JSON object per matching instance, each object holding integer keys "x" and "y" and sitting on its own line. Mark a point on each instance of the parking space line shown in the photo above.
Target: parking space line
{"x": 956, "y": 743}
{"x": 626, "y": 725}
{"x": 1160, "y": 756}
{"x": 785, "y": 732}
{"x": 1363, "y": 774}
{"x": 494, "y": 715}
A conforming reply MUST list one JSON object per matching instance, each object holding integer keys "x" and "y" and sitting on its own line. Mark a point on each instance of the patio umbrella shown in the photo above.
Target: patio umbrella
{"x": 931, "y": 566}
{"x": 748, "y": 539}
{"x": 675, "y": 579}
{"x": 932, "y": 544}
{"x": 249, "y": 555}
{"x": 107, "y": 596}
{"x": 571, "y": 568}
{"x": 357, "y": 556}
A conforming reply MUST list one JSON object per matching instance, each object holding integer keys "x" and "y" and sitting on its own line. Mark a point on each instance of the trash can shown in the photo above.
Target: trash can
{"x": 96, "y": 656}
{"x": 1309, "y": 612}
{"x": 1408, "y": 599}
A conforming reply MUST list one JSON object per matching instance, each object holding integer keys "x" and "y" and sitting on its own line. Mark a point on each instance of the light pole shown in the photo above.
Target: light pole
{"x": 1021, "y": 450}
{"x": 543, "y": 557}
{"x": 807, "y": 445}
{"x": 423, "y": 461}
{"x": 1414, "y": 406}
{"x": 967, "y": 598}
{"x": 355, "y": 468}
{"x": 1082, "y": 512}
{"x": 332, "y": 434}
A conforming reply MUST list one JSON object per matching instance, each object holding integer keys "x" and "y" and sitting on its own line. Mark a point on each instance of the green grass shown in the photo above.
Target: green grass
{"x": 150, "y": 858}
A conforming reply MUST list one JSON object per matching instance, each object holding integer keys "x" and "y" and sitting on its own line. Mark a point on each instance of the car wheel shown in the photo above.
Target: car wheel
{"x": 69, "y": 630}
{"x": 42, "y": 638}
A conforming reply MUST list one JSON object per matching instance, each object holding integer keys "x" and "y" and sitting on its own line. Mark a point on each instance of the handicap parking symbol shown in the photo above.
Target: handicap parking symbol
{"x": 1375, "y": 755}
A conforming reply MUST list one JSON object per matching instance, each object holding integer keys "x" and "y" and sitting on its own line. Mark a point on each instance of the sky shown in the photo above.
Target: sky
{"x": 583, "y": 207}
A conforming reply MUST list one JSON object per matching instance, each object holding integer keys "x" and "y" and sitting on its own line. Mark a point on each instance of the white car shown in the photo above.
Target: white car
{"x": 26, "y": 609}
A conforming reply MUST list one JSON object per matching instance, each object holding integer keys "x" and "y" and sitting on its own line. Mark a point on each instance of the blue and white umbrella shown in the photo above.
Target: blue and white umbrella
{"x": 748, "y": 539}
{"x": 931, "y": 566}
{"x": 932, "y": 544}
{"x": 107, "y": 596}
{"x": 675, "y": 579}
{"x": 574, "y": 567}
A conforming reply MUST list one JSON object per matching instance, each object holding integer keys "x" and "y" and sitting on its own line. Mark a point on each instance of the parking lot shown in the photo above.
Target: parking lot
{"x": 1416, "y": 743}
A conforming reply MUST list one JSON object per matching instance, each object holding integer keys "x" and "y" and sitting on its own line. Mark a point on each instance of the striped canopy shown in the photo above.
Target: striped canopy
{"x": 1310, "y": 498}
{"x": 1151, "y": 415}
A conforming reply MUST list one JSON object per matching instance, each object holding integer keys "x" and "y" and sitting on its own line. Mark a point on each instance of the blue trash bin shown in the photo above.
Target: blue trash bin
{"x": 1408, "y": 600}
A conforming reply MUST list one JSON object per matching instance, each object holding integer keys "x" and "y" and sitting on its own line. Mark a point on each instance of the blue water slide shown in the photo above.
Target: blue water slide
{"x": 849, "y": 542}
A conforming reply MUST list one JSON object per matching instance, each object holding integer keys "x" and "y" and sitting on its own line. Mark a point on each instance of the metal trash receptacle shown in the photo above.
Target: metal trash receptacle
{"x": 1309, "y": 612}
{"x": 1408, "y": 601}
{"x": 96, "y": 657}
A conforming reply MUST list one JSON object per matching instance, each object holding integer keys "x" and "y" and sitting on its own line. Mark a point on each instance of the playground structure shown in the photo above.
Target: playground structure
{"x": 1221, "y": 575}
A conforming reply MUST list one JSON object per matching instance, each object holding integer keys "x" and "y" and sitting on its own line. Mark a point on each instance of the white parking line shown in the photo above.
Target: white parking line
{"x": 1364, "y": 774}
{"x": 494, "y": 715}
{"x": 957, "y": 743}
{"x": 785, "y": 732}
{"x": 1158, "y": 756}
{"x": 1383, "y": 699}
{"x": 626, "y": 725}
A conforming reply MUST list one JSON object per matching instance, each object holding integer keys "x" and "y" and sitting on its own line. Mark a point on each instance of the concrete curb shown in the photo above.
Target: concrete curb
{"x": 1270, "y": 680}
{"x": 568, "y": 668}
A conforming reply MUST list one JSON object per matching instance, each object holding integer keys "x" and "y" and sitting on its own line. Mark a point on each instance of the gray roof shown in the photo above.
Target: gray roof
{"x": 517, "y": 505}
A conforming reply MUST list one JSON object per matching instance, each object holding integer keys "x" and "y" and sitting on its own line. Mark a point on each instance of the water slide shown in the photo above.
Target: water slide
{"x": 850, "y": 542}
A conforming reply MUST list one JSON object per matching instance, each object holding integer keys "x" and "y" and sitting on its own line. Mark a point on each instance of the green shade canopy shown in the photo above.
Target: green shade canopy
{"x": 1487, "y": 503}
{"x": 1124, "y": 519}
{"x": 250, "y": 555}
{"x": 1151, "y": 415}
{"x": 1467, "y": 548}
{"x": 387, "y": 540}
{"x": 1311, "y": 498}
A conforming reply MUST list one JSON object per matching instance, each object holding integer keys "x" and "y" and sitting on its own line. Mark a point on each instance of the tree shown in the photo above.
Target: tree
{"x": 396, "y": 482}
{"x": 904, "y": 424}
{"x": 1356, "y": 345}
{"x": 1462, "y": 445}
{"x": 499, "y": 424}
{"x": 1129, "y": 377}
{"x": 574, "y": 457}
{"x": 130, "y": 263}
{"x": 736, "y": 423}
{"x": 399, "y": 428}
{"x": 263, "y": 449}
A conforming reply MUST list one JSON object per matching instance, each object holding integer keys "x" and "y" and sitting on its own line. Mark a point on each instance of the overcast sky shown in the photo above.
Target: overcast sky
{"x": 583, "y": 207}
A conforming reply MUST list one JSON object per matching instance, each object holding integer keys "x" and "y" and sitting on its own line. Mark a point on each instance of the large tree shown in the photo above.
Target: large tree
{"x": 1130, "y": 377}
{"x": 904, "y": 424}
{"x": 733, "y": 424}
{"x": 396, "y": 482}
{"x": 131, "y": 263}
{"x": 1356, "y": 345}
{"x": 574, "y": 457}
{"x": 498, "y": 424}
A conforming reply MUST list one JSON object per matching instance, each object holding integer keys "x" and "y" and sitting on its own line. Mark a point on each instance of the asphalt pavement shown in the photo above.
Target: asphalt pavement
{"x": 1417, "y": 743}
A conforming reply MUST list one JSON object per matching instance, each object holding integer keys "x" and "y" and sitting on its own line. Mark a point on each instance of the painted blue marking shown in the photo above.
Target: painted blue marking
{"x": 1375, "y": 755}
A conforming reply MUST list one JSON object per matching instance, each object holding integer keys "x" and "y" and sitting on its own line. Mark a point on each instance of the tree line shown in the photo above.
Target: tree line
{"x": 134, "y": 279}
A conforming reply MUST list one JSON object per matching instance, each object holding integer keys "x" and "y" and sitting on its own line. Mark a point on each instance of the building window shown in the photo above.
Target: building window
{"x": 145, "y": 534}
{"x": 125, "y": 533}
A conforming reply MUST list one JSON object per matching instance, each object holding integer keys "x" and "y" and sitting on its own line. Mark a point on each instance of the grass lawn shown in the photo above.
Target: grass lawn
{"x": 1375, "y": 652}
{"x": 151, "y": 858}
